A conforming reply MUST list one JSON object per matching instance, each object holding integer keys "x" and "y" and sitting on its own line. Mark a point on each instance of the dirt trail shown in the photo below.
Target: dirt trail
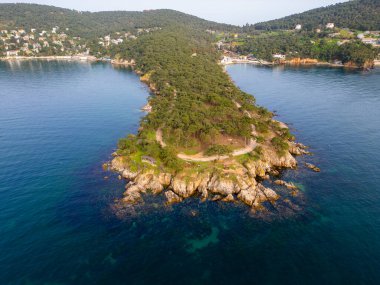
{"x": 199, "y": 157}
{"x": 159, "y": 138}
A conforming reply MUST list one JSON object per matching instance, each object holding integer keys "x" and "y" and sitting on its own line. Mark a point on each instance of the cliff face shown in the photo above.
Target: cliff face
{"x": 369, "y": 64}
{"x": 302, "y": 61}
{"x": 235, "y": 183}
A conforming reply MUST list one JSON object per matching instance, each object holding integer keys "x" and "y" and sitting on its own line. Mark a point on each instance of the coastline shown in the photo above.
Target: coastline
{"x": 300, "y": 62}
{"x": 64, "y": 57}
{"x": 131, "y": 63}
{"x": 226, "y": 179}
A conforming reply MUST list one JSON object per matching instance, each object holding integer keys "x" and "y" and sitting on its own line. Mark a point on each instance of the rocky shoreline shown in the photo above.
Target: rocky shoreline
{"x": 65, "y": 58}
{"x": 306, "y": 62}
{"x": 244, "y": 184}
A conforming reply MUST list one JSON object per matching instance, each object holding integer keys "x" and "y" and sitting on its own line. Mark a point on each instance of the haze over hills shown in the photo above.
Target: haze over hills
{"x": 90, "y": 24}
{"x": 355, "y": 14}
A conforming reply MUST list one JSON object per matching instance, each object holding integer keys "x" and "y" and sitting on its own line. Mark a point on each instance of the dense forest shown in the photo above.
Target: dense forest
{"x": 355, "y": 14}
{"x": 194, "y": 102}
{"x": 89, "y": 25}
{"x": 194, "y": 99}
{"x": 307, "y": 45}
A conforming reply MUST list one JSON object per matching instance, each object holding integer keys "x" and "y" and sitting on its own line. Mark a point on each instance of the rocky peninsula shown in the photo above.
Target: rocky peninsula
{"x": 202, "y": 136}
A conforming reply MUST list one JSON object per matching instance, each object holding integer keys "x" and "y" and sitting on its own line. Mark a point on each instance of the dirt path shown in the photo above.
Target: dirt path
{"x": 201, "y": 158}
{"x": 159, "y": 138}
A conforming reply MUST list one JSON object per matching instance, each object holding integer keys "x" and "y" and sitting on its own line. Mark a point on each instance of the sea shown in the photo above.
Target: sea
{"x": 59, "y": 123}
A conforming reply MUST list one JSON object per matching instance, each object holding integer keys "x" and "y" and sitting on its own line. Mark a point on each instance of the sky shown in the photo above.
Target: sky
{"x": 238, "y": 12}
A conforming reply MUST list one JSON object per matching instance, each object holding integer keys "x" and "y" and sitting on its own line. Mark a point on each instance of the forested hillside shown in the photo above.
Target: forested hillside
{"x": 194, "y": 99}
{"x": 87, "y": 24}
{"x": 355, "y": 14}
{"x": 308, "y": 45}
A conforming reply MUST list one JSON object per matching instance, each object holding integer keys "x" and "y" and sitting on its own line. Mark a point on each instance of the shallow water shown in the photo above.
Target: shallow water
{"x": 60, "y": 121}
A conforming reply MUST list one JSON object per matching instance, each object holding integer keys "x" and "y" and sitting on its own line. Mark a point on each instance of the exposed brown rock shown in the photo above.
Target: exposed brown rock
{"x": 228, "y": 198}
{"x": 172, "y": 197}
{"x": 288, "y": 185}
{"x": 313, "y": 167}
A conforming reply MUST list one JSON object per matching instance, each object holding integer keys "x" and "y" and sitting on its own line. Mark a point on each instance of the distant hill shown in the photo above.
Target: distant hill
{"x": 355, "y": 14}
{"x": 87, "y": 24}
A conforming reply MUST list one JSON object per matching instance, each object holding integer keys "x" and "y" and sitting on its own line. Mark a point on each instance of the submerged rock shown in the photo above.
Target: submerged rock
{"x": 288, "y": 185}
{"x": 313, "y": 167}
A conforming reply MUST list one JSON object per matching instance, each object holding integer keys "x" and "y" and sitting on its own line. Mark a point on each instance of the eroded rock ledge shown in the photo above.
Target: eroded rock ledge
{"x": 233, "y": 183}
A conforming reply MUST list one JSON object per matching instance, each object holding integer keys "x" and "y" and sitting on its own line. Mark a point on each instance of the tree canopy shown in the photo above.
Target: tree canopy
{"x": 194, "y": 98}
{"x": 356, "y": 14}
{"x": 89, "y": 25}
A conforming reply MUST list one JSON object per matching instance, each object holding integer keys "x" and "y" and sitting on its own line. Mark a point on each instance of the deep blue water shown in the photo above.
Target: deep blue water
{"x": 60, "y": 121}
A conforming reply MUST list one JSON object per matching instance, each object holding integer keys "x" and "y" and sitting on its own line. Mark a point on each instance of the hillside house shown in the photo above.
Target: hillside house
{"x": 371, "y": 41}
{"x": 12, "y": 52}
{"x": 279, "y": 56}
{"x": 226, "y": 60}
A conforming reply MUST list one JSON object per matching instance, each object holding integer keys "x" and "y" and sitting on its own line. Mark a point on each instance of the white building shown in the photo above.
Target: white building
{"x": 279, "y": 56}
{"x": 371, "y": 41}
{"x": 12, "y": 53}
{"x": 330, "y": 26}
{"x": 226, "y": 60}
{"x": 298, "y": 27}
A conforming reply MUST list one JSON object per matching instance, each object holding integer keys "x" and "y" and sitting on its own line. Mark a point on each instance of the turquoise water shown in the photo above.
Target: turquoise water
{"x": 60, "y": 121}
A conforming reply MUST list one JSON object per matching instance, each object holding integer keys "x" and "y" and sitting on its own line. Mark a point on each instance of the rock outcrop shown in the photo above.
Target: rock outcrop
{"x": 240, "y": 183}
{"x": 313, "y": 167}
{"x": 288, "y": 185}
{"x": 298, "y": 149}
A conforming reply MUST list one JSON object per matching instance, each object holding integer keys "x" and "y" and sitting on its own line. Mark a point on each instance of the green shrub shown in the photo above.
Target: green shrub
{"x": 169, "y": 157}
{"x": 218, "y": 150}
{"x": 260, "y": 139}
{"x": 280, "y": 145}
{"x": 127, "y": 145}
